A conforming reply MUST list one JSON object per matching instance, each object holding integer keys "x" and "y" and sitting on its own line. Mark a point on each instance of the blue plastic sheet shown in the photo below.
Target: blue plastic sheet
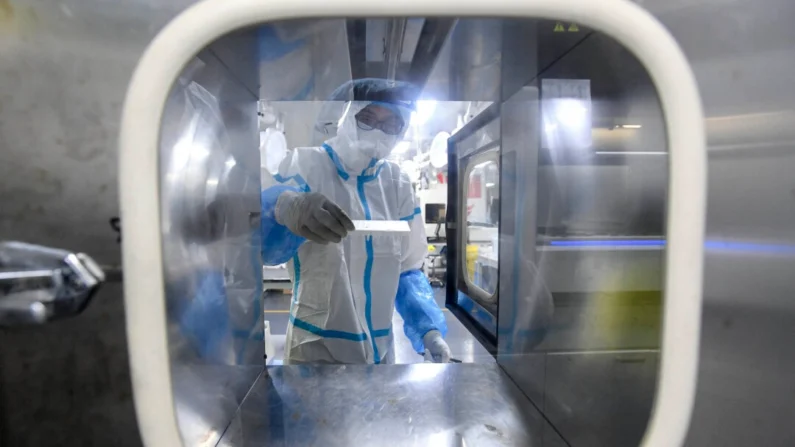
{"x": 206, "y": 320}
{"x": 416, "y": 305}
{"x": 279, "y": 244}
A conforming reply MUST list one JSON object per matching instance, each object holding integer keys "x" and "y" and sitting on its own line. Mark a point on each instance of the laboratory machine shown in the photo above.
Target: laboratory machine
{"x": 575, "y": 162}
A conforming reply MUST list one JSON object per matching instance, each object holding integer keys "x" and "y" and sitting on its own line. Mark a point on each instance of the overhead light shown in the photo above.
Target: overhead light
{"x": 627, "y": 126}
{"x": 425, "y": 109}
{"x": 401, "y": 147}
{"x": 489, "y": 185}
{"x": 570, "y": 112}
{"x": 567, "y": 121}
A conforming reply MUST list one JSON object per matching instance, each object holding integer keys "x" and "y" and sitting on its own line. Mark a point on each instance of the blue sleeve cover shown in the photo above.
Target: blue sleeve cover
{"x": 278, "y": 243}
{"x": 416, "y": 305}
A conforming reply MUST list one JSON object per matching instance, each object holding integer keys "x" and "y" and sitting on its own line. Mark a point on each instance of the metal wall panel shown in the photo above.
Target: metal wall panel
{"x": 570, "y": 315}
{"x": 600, "y": 398}
{"x": 209, "y": 189}
{"x": 64, "y": 70}
{"x": 743, "y": 56}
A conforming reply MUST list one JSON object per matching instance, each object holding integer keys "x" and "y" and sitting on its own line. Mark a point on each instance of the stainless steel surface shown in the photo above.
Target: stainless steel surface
{"x": 745, "y": 388}
{"x": 600, "y": 269}
{"x": 301, "y": 60}
{"x": 400, "y": 405}
{"x": 600, "y": 398}
{"x": 430, "y": 44}
{"x": 210, "y": 185}
{"x": 40, "y": 284}
{"x": 65, "y": 67}
{"x": 393, "y": 47}
{"x": 571, "y": 315}
{"x": 525, "y": 304}
{"x": 473, "y": 73}
{"x": 207, "y": 397}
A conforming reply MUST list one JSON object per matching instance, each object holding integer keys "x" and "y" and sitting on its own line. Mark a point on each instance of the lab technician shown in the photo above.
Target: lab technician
{"x": 346, "y": 284}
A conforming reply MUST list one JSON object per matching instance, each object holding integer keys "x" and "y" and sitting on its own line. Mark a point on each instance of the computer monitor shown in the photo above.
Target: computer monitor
{"x": 435, "y": 213}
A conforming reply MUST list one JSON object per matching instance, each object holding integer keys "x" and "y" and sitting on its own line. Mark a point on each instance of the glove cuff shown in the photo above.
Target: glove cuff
{"x": 430, "y": 335}
{"x": 283, "y": 205}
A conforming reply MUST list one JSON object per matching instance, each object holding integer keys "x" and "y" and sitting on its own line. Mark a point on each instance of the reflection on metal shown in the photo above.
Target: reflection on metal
{"x": 474, "y": 71}
{"x": 395, "y": 34}
{"x": 59, "y": 160}
{"x": 207, "y": 398}
{"x": 525, "y": 304}
{"x": 580, "y": 278}
{"x": 566, "y": 116}
{"x": 356, "y": 31}
{"x": 301, "y": 60}
{"x": 585, "y": 393}
{"x": 429, "y": 46}
{"x": 422, "y": 404}
{"x": 209, "y": 168}
{"x": 39, "y": 284}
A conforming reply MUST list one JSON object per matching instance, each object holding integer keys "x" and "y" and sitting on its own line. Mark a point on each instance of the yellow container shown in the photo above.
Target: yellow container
{"x": 472, "y": 254}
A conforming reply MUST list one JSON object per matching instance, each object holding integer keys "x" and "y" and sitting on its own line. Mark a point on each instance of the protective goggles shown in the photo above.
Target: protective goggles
{"x": 381, "y": 117}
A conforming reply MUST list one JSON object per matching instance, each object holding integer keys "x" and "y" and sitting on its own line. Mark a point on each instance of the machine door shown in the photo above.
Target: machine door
{"x": 487, "y": 193}
{"x": 556, "y": 237}
{"x": 473, "y": 225}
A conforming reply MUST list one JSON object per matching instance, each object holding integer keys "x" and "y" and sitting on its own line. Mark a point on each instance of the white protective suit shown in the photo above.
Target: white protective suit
{"x": 344, "y": 293}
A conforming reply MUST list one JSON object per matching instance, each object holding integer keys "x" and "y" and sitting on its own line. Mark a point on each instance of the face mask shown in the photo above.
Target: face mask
{"x": 357, "y": 147}
{"x": 375, "y": 143}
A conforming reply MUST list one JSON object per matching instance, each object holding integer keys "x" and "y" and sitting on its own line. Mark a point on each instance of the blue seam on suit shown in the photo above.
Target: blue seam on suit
{"x": 416, "y": 211}
{"x": 309, "y": 327}
{"x": 336, "y": 160}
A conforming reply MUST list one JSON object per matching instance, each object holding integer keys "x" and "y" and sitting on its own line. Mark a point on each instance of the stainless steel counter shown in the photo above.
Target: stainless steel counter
{"x": 395, "y": 405}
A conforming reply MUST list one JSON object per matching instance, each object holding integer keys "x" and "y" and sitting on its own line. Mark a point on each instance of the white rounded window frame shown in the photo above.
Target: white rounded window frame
{"x": 204, "y": 22}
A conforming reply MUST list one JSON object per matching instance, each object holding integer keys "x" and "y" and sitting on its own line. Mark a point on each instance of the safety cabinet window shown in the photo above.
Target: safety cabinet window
{"x": 482, "y": 190}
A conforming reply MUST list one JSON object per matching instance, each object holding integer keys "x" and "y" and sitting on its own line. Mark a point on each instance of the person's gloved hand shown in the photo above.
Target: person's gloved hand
{"x": 436, "y": 349}
{"x": 313, "y": 216}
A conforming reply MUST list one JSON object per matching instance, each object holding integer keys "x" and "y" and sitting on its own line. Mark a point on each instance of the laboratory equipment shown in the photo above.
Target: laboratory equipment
{"x": 40, "y": 284}
{"x": 58, "y": 165}
{"x": 435, "y": 214}
{"x": 683, "y": 131}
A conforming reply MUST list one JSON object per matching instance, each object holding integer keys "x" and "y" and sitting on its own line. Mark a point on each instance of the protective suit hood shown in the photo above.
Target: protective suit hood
{"x": 359, "y": 149}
